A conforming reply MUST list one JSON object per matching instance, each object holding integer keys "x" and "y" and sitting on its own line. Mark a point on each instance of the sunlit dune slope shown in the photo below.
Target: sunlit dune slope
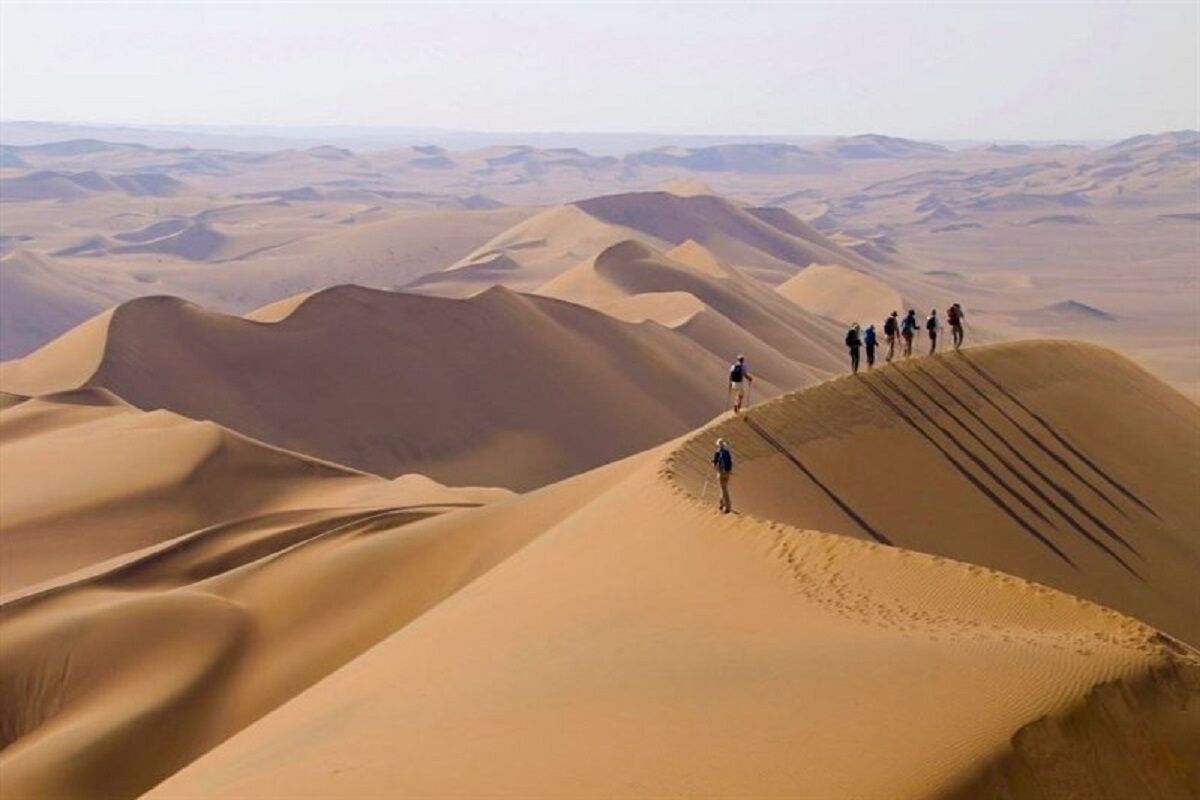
{"x": 749, "y": 313}
{"x": 378, "y": 380}
{"x": 842, "y": 294}
{"x": 770, "y": 244}
{"x": 87, "y": 477}
{"x": 798, "y": 663}
{"x": 1063, "y": 463}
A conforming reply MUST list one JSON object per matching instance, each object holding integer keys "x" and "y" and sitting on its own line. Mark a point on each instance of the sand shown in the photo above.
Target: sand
{"x": 88, "y": 478}
{"x": 1005, "y": 230}
{"x": 794, "y": 660}
{"x": 248, "y": 548}
{"x": 393, "y": 371}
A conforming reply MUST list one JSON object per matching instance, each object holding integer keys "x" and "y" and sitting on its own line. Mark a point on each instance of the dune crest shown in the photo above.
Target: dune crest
{"x": 390, "y": 368}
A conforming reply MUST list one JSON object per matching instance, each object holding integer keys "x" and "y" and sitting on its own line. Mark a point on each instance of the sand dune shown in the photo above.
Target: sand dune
{"x": 299, "y": 219}
{"x": 87, "y": 477}
{"x": 769, "y": 244}
{"x": 842, "y": 294}
{"x": 61, "y": 186}
{"x": 241, "y": 616}
{"x": 382, "y": 375}
{"x": 794, "y": 660}
{"x": 687, "y": 632}
{"x": 1059, "y": 462}
{"x": 752, "y": 312}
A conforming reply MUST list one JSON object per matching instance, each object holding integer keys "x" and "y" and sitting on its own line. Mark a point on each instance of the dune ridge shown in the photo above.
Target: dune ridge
{"x": 390, "y": 368}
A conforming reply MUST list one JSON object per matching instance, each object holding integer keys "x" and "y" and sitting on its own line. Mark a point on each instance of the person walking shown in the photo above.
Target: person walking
{"x": 739, "y": 382}
{"x": 870, "y": 342}
{"x": 932, "y": 326}
{"x": 908, "y": 329}
{"x": 955, "y": 316}
{"x": 854, "y": 342}
{"x": 891, "y": 329}
{"x": 723, "y": 462}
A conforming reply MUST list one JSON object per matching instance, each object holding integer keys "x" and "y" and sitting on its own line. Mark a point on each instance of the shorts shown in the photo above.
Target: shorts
{"x": 737, "y": 387}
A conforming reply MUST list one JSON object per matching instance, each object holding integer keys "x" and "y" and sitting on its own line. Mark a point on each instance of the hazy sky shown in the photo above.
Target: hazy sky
{"x": 1011, "y": 71}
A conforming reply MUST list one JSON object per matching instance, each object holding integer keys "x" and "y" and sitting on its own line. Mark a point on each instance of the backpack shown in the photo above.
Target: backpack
{"x": 889, "y": 327}
{"x": 736, "y": 372}
{"x": 952, "y": 315}
{"x": 723, "y": 460}
{"x": 852, "y": 338}
{"x": 909, "y": 324}
{"x": 931, "y": 324}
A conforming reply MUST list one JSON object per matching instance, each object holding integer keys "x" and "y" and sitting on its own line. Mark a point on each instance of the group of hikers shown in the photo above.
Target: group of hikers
{"x": 895, "y": 330}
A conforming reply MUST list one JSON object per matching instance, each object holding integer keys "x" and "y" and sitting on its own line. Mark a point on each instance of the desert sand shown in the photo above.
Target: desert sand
{"x": 1009, "y": 230}
{"x": 736, "y": 637}
{"x": 794, "y": 660}
{"x": 265, "y": 416}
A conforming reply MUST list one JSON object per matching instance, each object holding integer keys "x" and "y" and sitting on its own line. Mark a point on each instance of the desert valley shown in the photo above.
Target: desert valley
{"x": 388, "y": 473}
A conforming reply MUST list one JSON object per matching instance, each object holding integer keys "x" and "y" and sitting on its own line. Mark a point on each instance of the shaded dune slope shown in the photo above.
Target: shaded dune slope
{"x": 375, "y": 380}
{"x": 88, "y": 477}
{"x": 1063, "y": 463}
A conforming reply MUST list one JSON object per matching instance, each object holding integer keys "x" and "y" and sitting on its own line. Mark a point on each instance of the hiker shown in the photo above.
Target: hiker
{"x": 891, "y": 328}
{"x": 908, "y": 329}
{"x": 932, "y": 326}
{"x": 739, "y": 382}
{"x": 955, "y": 316}
{"x": 870, "y": 342}
{"x": 854, "y": 342}
{"x": 723, "y": 461}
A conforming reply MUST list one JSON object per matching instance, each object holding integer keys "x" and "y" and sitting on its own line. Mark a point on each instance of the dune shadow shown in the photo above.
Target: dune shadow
{"x": 971, "y": 477}
{"x": 1050, "y": 430}
{"x": 1029, "y": 484}
{"x": 1063, "y": 492}
{"x": 846, "y": 509}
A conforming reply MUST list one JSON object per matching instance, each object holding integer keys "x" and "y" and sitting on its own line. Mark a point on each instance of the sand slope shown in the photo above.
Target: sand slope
{"x": 87, "y": 477}
{"x": 377, "y": 380}
{"x": 112, "y": 681}
{"x": 1063, "y": 463}
{"x": 842, "y": 294}
{"x": 769, "y": 244}
{"x": 740, "y": 312}
{"x": 797, "y": 663}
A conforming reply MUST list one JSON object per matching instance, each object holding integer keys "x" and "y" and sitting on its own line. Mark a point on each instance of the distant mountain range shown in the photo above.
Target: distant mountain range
{"x": 364, "y": 139}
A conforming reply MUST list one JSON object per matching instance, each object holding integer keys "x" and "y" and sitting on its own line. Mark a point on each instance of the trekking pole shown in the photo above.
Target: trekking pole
{"x": 704, "y": 491}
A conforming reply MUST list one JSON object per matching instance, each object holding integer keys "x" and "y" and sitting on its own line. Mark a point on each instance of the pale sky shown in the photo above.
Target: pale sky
{"x": 934, "y": 71}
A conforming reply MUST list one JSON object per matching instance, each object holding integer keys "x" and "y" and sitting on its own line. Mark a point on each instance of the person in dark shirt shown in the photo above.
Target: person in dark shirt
{"x": 854, "y": 342}
{"x": 723, "y": 462}
{"x": 870, "y": 342}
